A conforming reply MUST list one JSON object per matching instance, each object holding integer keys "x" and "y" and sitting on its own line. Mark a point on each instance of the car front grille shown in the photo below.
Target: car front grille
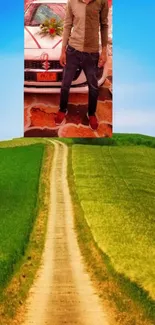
{"x": 38, "y": 64}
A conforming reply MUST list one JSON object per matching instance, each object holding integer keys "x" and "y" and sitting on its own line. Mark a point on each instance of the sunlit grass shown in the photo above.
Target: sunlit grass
{"x": 116, "y": 189}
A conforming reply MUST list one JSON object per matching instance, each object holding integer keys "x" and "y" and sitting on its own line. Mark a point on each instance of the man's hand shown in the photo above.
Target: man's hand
{"x": 103, "y": 58}
{"x": 63, "y": 57}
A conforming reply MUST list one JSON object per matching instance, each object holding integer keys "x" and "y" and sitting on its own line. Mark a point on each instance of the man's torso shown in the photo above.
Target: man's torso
{"x": 86, "y": 23}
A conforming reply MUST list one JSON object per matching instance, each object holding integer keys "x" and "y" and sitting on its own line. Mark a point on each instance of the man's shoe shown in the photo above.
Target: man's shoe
{"x": 93, "y": 123}
{"x": 60, "y": 117}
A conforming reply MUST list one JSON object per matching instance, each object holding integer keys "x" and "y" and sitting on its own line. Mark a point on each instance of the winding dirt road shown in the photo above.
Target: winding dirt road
{"x": 62, "y": 292}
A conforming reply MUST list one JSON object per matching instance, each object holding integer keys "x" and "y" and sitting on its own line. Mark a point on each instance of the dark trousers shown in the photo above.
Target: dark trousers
{"x": 88, "y": 62}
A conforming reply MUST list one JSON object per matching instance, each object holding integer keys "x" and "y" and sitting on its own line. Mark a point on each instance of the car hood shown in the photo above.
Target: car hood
{"x": 33, "y": 40}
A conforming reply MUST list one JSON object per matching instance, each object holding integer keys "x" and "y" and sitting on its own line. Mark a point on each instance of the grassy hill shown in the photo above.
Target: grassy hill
{"x": 19, "y": 181}
{"x": 116, "y": 140}
{"x": 113, "y": 184}
{"x": 24, "y": 198}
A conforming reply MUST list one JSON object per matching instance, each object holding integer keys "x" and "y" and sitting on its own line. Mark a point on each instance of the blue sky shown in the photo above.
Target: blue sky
{"x": 133, "y": 67}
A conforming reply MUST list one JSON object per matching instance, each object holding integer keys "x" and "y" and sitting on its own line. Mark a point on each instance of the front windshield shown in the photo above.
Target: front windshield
{"x": 37, "y": 13}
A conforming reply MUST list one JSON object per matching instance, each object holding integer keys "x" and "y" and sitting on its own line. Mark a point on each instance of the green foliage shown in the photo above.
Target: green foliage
{"x": 116, "y": 140}
{"x": 51, "y": 27}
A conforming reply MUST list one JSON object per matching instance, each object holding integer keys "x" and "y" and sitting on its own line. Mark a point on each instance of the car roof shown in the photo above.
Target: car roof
{"x": 49, "y": 1}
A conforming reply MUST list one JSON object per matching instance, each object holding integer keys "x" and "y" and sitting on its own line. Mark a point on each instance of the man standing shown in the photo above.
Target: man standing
{"x": 84, "y": 20}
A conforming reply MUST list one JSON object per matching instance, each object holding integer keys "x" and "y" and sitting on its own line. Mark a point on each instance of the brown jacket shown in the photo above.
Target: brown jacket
{"x": 83, "y": 23}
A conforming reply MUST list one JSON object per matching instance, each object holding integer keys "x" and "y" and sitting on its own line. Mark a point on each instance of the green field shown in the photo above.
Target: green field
{"x": 112, "y": 183}
{"x": 116, "y": 190}
{"x": 19, "y": 181}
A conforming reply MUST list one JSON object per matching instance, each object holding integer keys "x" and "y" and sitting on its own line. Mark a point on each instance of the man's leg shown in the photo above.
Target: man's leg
{"x": 72, "y": 64}
{"x": 90, "y": 66}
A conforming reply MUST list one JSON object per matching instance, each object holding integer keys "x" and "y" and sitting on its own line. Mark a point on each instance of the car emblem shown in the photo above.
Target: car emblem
{"x": 46, "y": 65}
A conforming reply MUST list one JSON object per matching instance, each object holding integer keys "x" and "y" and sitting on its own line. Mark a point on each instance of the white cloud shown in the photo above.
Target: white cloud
{"x": 134, "y": 108}
{"x": 139, "y": 97}
{"x": 132, "y": 118}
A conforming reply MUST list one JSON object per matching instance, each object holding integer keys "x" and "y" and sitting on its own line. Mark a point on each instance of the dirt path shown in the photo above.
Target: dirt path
{"x": 62, "y": 292}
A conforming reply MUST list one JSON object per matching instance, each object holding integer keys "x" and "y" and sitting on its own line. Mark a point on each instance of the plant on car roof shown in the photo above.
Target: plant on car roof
{"x": 51, "y": 27}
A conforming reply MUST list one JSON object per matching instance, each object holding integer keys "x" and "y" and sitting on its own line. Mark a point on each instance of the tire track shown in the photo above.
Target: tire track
{"x": 62, "y": 292}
